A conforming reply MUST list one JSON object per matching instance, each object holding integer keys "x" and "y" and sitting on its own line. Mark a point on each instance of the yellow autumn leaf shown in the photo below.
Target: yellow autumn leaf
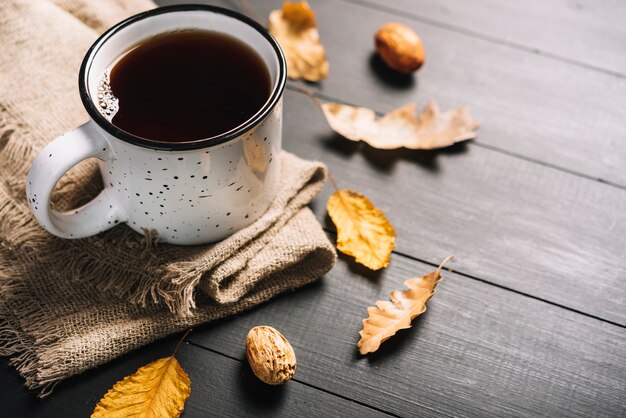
{"x": 401, "y": 127}
{"x": 158, "y": 389}
{"x": 363, "y": 231}
{"x": 388, "y": 317}
{"x": 295, "y": 30}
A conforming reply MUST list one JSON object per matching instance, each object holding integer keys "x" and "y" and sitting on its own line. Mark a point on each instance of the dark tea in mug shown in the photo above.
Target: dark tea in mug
{"x": 184, "y": 86}
{"x": 185, "y": 119}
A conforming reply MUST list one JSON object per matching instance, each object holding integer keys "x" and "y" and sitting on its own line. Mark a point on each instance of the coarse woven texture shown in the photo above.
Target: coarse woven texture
{"x": 69, "y": 305}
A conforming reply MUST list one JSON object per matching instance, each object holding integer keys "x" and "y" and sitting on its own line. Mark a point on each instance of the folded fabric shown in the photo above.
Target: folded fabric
{"x": 69, "y": 305}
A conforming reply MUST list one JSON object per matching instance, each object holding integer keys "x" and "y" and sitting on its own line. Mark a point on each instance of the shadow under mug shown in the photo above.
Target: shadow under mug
{"x": 189, "y": 192}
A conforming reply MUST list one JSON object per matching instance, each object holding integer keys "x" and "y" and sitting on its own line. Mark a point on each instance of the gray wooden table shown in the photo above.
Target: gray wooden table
{"x": 533, "y": 321}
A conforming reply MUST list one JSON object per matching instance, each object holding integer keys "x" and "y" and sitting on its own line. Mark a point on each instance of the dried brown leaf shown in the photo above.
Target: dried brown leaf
{"x": 295, "y": 30}
{"x": 401, "y": 127}
{"x": 388, "y": 317}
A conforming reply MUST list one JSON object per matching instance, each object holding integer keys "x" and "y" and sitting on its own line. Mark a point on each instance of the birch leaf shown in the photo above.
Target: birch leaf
{"x": 158, "y": 389}
{"x": 363, "y": 231}
{"x": 388, "y": 317}
{"x": 295, "y": 29}
{"x": 402, "y": 127}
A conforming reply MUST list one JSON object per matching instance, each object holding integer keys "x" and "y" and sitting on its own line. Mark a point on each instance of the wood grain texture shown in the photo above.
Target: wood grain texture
{"x": 585, "y": 32}
{"x": 512, "y": 222}
{"x": 220, "y": 386}
{"x": 477, "y": 351}
{"x": 533, "y": 106}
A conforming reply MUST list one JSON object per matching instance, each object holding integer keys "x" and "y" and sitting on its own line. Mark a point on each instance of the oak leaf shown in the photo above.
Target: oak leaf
{"x": 363, "y": 231}
{"x": 158, "y": 389}
{"x": 401, "y": 127}
{"x": 388, "y": 317}
{"x": 295, "y": 29}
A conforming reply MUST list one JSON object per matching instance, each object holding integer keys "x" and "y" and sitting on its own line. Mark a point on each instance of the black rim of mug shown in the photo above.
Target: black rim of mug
{"x": 258, "y": 117}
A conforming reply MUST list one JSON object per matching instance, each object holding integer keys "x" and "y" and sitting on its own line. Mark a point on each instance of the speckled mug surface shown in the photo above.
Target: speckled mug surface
{"x": 189, "y": 192}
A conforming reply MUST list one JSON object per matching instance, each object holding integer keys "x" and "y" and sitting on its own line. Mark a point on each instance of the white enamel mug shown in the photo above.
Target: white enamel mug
{"x": 189, "y": 192}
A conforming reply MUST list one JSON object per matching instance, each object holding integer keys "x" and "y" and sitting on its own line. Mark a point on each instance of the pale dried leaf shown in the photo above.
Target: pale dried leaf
{"x": 158, "y": 389}
{"x": 388, "y": 317}
{"x": 295, "y": 30}
{"x": 363, "y": 231}
{"x": 402, "y": 127}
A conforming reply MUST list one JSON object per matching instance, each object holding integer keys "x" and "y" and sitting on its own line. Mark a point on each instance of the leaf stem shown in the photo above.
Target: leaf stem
{"x": 445, "y": 260}
{"x": 333, "y": 182}
{"x": 306, "y": 91}
{"x": 181, "y": 341}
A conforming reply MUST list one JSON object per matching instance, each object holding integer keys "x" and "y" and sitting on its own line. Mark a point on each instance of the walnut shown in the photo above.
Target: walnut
{"x": 270, "y": 355}
{"x": 399, "y": 47}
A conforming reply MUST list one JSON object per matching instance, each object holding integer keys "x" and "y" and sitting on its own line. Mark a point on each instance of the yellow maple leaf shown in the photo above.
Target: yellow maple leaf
{"x": 295, "y": 30}
{"x": 363, "y": 231}
{"x": 388, "y": 317}
{"x": 401, "y": 127}
{"x": 156, "y": 390}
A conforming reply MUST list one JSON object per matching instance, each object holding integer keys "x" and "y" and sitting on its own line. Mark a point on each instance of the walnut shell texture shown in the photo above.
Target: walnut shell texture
{"x": 270, "y": 355}
{"x": 399, "y": 47}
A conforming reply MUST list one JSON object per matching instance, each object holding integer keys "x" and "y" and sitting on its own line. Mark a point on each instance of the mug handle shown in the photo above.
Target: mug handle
{"x": 52, "y": 162}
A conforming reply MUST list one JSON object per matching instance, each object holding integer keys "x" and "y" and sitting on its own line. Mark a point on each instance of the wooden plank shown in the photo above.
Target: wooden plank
{"x": 535, "y": 107}
{"x": 584, "y": 32}
{"x": 220, "y": 386}
{"x": 512, "y": 222}
{"x": 478, "y": 351}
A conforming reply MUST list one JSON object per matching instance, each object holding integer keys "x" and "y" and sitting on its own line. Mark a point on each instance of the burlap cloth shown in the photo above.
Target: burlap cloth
{"x": 69, "y": 305}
